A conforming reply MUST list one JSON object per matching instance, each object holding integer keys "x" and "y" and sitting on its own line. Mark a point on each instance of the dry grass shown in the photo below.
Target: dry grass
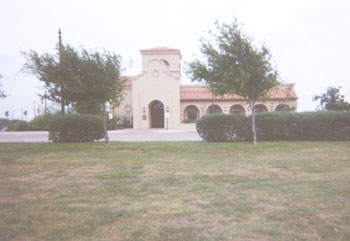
{"x": 175, "y": 191}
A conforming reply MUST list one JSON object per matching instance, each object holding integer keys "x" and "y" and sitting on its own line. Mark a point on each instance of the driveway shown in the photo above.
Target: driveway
{"x": 128, "y": 135}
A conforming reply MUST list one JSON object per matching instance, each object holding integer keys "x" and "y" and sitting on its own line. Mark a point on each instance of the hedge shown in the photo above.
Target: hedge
{"x": 276, "y": 126}
{"x": 4, "y": 123}
{"x": 42, "y": 122}
{"x": 221, "y": 127}
{"x": 19, "y": 125}
{"x": 76, "y": 128}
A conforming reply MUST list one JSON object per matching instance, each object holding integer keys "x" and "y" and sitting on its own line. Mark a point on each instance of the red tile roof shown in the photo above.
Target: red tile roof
{"x": 203, "y": 94}
{"x": 199, "y": 93}
{"x": 284, "y": 91}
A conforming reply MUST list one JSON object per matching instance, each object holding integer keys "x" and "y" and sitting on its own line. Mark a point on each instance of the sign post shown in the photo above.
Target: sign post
{"x": 167, "y": 120}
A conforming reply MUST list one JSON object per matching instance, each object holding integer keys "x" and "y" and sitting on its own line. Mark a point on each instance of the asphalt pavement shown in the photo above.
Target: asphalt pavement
{"x": 127, "y": 135}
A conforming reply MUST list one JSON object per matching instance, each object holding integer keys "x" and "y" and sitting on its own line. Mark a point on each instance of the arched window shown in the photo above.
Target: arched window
{"x": 191, "y": 113}
{"x": 166, "y": 64}
{"x": 283, "y": 107}
{"x": 214, "y": 109}
{"x": 237, "y": 110}
{"x": 260, "y": 108}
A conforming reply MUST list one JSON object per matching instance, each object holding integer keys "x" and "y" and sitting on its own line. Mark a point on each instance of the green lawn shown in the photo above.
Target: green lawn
{"x": 175, "y": 191}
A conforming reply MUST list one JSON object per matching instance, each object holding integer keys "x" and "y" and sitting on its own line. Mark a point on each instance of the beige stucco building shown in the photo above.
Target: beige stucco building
{"x": 156, "y": 99}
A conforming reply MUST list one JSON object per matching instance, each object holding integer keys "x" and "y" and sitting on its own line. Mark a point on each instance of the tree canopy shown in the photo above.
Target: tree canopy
{"x": 332, "y": 99}
{"x": 57, "y": 71}
{"x": 98, "y": 81}
{"x": 234, "y": 65}
{"x": 83, "y": 79}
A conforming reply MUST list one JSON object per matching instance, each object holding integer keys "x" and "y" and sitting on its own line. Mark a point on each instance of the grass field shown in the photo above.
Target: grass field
{"x": 175, "y": 191}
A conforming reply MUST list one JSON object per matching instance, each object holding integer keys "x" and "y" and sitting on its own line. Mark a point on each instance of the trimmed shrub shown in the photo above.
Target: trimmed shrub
{"x": 112, "y": 124}
{"x": 117, "y": 123}
{"x": 188, "y": 121}
{"x": 276, "y": 126}
{"x": 19, "y": 125}
{"x": 76, "y": 128}
{"x": 4, "y": 123}
{"x": 308, "y": 126}
{"x": 42, "y": 122}
{"x": 221, "y": 127}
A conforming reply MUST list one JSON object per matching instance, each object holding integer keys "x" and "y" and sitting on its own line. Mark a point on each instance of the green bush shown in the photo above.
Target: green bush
{"x": 112, "y": 124}
{"x": 276, "y": 126}
{"x": 188, "y": 121}
{"x": 4, "y": 123}
{"x": 42, "y": 122}
{"x": 308, "y": 126}
{"x": 118, "y": 123}
{"x": 19, "y": 125}
{"x": 76, "y": 128}
{"x": 221, "y": 127}
{"x": 124, "y": 123}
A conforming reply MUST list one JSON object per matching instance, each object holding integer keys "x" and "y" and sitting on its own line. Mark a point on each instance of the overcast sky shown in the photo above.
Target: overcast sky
{"x": 309, "y": 40}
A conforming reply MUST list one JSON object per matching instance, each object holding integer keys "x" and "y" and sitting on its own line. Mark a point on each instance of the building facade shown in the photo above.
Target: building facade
{"x": 156, "y": 99}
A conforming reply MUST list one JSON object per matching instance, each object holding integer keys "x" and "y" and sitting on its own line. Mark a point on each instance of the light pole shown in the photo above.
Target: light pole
{"x": 167, "y": 117}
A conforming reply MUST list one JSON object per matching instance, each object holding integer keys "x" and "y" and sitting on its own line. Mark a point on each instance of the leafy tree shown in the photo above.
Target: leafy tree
{"x": 98, "y": 82}
{"x": 2, "y": 93}
{"x": 86, "y": 80}
{"x": 235, "y": 66}
{"x": 57, "y": 71}
{"x": 332, "y": 100}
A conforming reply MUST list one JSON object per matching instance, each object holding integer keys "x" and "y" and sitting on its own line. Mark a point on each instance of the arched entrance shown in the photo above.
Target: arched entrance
{"x": 157, "y": 114}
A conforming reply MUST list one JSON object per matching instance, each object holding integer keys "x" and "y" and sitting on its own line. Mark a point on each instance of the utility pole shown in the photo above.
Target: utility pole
{"x": 60, "y": 72}
{"x": 45, "y": 104}
{"x": 34, "y": 108}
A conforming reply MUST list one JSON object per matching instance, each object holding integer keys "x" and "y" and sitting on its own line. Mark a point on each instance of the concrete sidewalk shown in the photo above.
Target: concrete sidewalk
{"x": 128, "y": 135}
{"x": 24, "y": 136}
{"x": 154, "y": 135}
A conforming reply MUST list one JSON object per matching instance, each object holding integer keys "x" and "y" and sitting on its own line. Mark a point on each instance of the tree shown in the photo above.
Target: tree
{"x": 98, "y": 82}
{"x": 86, "y": 80}
{"x": 332, "y": 100}
{"x": 235, "y": 66}
{"x": 2, "y": 93}
{"x": 57, "y": 71}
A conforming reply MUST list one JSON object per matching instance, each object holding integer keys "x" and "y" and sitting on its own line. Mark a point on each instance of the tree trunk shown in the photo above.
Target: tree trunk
{"x": 105, "y": 125}
{"x": 252, "y": 107}
{"x": 62, "y": 107}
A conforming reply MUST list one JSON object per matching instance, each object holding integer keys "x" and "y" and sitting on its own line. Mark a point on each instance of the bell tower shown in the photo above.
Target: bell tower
{"x": 169, "y": 59}
{"x": 156, "y": 91}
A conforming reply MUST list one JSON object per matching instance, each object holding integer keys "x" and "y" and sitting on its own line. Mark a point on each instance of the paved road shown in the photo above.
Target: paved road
{"x": 119, "y": 135}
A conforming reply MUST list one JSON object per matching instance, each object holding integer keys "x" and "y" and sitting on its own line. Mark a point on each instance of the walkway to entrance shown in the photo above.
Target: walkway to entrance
{"x": 154, "y": 135}
{"x": 129, "y": 135}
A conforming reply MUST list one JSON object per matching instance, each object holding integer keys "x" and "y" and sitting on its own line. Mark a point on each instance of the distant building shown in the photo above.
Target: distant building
{"x": 156, "y": 99}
